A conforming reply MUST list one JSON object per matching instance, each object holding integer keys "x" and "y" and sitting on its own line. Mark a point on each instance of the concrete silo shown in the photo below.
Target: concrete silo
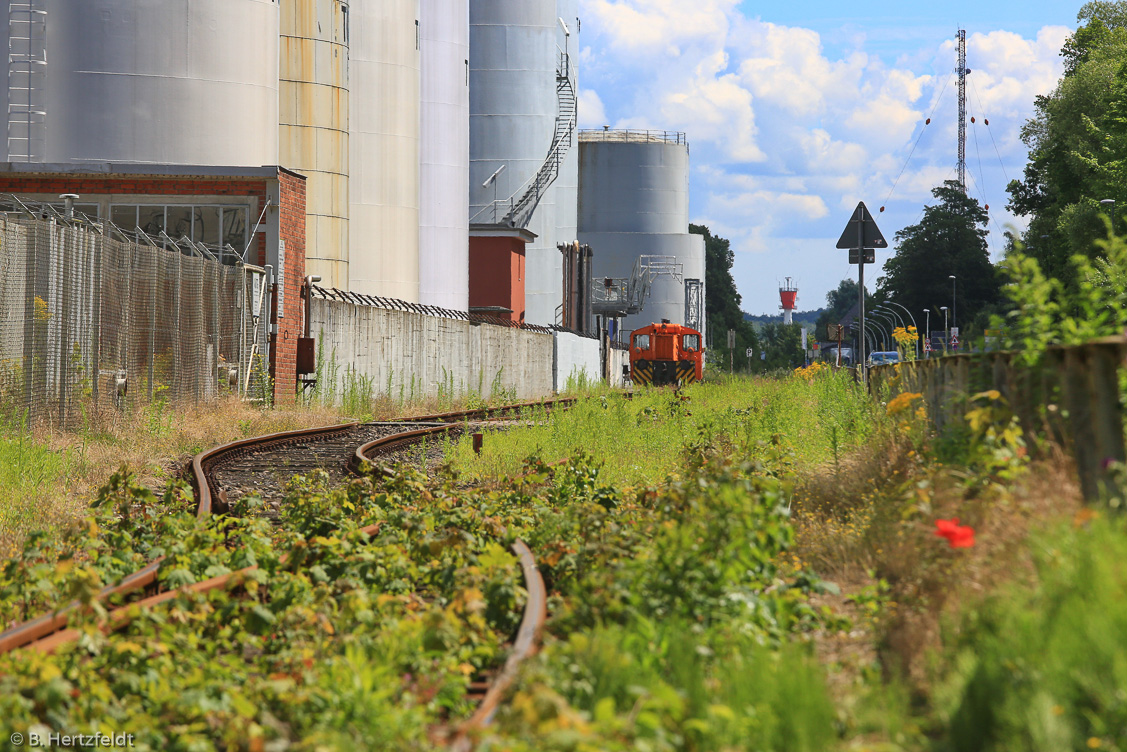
{"x": 384, "y": 49}
{"x": 522, "y": 118}
{"x": 444, "y": 273}
{"x": 313, "y": 116}
{"x": 634, "y": 203}
{"x": 190, "y": 82}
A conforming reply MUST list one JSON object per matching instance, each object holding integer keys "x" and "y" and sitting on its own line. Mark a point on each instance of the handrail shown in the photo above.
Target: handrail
{"x": 633, "y": 136}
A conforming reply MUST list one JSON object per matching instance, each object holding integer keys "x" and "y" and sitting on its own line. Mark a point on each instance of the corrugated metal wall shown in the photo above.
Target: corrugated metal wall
{"x": 313, "y": 114}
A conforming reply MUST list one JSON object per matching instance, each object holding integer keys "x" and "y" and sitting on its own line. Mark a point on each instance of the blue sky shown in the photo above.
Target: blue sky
{"x": 796, "y": 111}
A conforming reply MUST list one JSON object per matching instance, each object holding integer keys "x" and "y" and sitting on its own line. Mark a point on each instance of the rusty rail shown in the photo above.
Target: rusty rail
{"x": 39, "y": 631}
{"x": 204, "y": 462}
{"x": 1070, "y": 395}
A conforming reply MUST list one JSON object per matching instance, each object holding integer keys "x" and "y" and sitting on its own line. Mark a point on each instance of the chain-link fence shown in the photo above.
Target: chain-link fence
{"x": 90, "y": 320}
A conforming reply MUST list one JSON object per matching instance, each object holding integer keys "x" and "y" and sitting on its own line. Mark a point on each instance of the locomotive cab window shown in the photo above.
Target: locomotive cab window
{"x": 690, "y": 342}
{"x": 641, "y": 342}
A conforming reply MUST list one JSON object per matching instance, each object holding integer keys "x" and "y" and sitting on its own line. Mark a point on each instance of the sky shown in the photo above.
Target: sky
{"x": 795, "y": 112}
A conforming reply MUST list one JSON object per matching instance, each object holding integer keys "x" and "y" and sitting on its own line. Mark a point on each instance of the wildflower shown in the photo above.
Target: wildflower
{"x": 958, "y": 536}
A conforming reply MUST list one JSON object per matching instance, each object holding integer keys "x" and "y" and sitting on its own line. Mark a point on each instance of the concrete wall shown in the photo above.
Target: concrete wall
{"x": 575, "y": 355}
{"x": 404, "y": 348}
{"x": 618, "y": 359}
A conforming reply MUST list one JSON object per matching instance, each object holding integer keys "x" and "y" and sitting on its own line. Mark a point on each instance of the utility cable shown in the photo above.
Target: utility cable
{"x": 923, "y": 130}
{"x": 986, "y": 121}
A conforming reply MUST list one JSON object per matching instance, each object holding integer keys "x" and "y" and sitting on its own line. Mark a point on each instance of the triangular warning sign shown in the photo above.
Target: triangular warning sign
{"x": 862, "y": 231}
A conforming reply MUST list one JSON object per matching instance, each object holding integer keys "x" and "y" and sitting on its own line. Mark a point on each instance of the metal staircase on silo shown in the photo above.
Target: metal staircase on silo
{"x": 27, "y": 65}
{"x": 521, "y": 209}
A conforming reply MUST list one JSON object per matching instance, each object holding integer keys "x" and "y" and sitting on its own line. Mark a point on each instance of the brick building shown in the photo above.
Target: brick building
{"x": 254, "y": 213}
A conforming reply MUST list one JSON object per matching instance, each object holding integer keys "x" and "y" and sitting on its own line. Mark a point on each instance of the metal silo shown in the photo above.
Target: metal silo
{"x": 566, "y": 187}
{"x": 313, "y": 117}
{"x": 191, "y": 82}
{"x": 444, "y": 274}
{"x": 385, "y": 39}
{"x": 633, "y": 204}
{"x": 518, "y": 113}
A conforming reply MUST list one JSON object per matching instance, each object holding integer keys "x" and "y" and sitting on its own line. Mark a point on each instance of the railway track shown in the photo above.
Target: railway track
{"x": 262, "y": 465}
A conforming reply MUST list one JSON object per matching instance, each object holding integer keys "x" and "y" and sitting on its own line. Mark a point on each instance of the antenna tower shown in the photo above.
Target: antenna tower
{"x": 962, "y": 71}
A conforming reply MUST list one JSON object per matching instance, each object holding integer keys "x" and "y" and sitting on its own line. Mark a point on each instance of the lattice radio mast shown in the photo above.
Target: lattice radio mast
{"x": 962, "y": 71}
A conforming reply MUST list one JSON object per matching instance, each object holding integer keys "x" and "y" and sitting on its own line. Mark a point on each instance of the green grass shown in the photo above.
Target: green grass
{"x": 31, "y": 477}
{"x": 1044, "y": 666}
{"x": 640, "y": 440}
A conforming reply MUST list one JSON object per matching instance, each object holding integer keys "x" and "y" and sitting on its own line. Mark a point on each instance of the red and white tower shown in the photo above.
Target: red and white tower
{"x": 788, "y": 294}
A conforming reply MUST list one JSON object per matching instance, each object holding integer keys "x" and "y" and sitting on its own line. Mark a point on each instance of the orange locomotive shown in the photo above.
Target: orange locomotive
{"x": 666, "y": 354}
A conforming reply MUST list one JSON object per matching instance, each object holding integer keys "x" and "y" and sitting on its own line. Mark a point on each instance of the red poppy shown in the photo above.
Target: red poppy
{"x": 958, "y": 536}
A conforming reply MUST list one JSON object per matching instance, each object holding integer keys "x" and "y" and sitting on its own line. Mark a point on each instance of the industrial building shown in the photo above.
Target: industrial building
{"x": 431, "y": 145}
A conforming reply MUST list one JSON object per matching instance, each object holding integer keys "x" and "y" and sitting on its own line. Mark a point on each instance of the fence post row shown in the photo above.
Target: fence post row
{"x": 73, "y": 306}
{"x": 1069, "y": 396}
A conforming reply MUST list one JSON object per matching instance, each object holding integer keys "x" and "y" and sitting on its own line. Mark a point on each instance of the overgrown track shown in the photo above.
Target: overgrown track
{"x": 260, "y": 465}
{"x": 263, "y": 464}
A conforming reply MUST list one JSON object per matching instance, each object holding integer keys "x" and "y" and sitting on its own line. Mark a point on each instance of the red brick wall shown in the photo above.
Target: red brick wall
{"x": 283, "y": 364}
{"x": 497, "y": 274}
{"x": 291, "y": 229}
{"x": 142, "y": 185}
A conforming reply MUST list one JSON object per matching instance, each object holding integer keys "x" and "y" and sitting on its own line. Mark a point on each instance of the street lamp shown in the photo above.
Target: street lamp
{"x": 927, "y": 327}
{"x": 954, "y": 305}
{"x": 886, "y": 317}
{"x": 868, "y": 337}
{"x": 900, "y": 322}
{"x": 946, "y": 331}
{"x": 879, "y": 328}
{"x": 1110, "y": 202}
{"x": 913, "y": 318}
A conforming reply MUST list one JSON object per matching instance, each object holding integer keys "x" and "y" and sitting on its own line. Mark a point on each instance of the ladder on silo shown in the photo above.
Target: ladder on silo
{"x": 27, "y": 67}
{"x": 521, "y": 209}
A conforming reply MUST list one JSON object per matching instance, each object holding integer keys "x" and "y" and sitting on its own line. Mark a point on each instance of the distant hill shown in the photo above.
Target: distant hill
{"x": 802, "y": 318}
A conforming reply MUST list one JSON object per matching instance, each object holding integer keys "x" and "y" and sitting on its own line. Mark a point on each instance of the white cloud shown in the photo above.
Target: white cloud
{"x": 592, "y": 113}
{"x": 787, "y": 138}
{"x": 659, "y": 27}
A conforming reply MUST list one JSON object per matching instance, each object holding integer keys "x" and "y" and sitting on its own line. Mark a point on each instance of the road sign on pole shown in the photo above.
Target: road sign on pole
{"x": 862, "y": 231}
{"x": 861, "y": 234}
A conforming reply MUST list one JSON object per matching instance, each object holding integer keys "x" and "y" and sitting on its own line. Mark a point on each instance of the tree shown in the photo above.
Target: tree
{"x": 721, "y": 299}
{"x": 1077, "y": 143}
{"x": 783, "y": 346}
{"x": 839, "y": 302}
{"x": 949, "y": 239}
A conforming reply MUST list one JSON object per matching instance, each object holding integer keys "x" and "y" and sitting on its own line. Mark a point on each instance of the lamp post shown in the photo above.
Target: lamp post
{"x": 946, "y": 331}
{"x": 954, "y": 305}
{"x": 1106, "y": 203}
{"x": 868, "y": 337}
{"x": 899, "y": 321}
{"x": 913, "y": 319}
{"x": 927, "y": 327}
{"x": 886, "y": 317}
{"x": 877, "y": 324}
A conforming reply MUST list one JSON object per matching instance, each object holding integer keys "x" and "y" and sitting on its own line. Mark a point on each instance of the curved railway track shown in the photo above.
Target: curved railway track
{"x": 222, "y": 475}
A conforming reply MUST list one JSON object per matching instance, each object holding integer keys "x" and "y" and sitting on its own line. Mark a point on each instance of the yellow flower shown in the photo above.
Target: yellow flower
{"x": 902, "y": 402}
{"x": 41, "y": 311}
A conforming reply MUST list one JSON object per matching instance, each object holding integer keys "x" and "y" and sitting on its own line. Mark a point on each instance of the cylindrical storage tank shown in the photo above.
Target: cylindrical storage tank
{"x": 634, "y": 201}
{"x": 444, "y": 272}
{"x": 566, "y": 187}
{"x": 192, "y": 82}
{"x": 384, "y": 42}
{"x": 634, "y": 181}
{"x": 513, "y": 109}
{"x": 313, "y": 116}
